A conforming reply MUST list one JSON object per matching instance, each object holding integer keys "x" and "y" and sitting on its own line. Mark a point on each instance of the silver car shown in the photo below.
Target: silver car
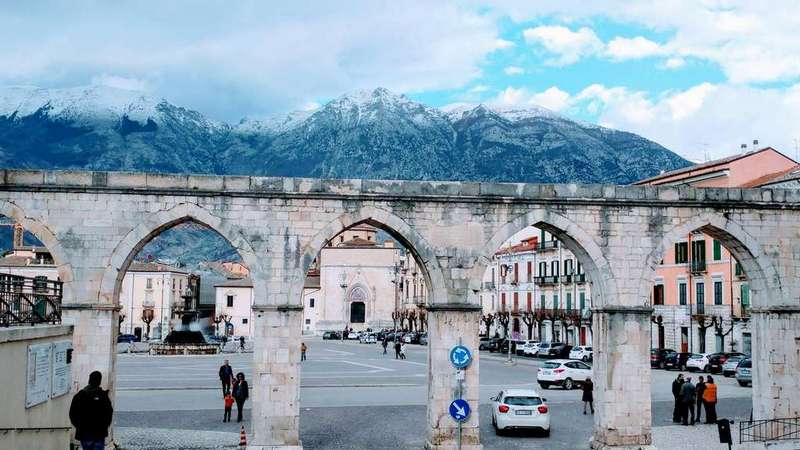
{"x": 744, "y": 373}
{"x": 729, "y": 368}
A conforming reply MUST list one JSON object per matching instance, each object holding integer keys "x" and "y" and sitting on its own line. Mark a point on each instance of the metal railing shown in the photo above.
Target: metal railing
{"x": 488, "y": 285}
{"x": 574, "y": 278}
{"x": 546, "y": 280}
{"x": 698, "y": 265}
{"x": 28, "y": 301}
{"x": 769, "y": 430}
{"x": 547, "y": 245}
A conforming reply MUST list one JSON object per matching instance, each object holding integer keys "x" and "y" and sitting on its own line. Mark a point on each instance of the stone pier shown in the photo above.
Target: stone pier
{"x": 622, "y": 378}
{"x": 275, "y": 389}
{"x": 776, "y": 345}
{"x": 447, "y": 324}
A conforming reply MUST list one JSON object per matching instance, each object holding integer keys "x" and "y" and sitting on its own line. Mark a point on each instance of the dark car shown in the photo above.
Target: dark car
{"x": 657, "y": 356}
{"x": 676, "y": 360}
{"x": 559, "y": 350}
{"x": 423, "y": 339}
{"x": 483, "y": 343}
{"x": 717, "y": 360}
{"x": 497, "y": 345}
{"x": 129, "y": 338}
{"x": 331, "y": 335}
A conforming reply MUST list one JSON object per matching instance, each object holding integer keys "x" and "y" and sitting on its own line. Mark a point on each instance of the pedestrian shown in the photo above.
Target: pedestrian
{"x": 396, "y": 349}
{"x": 303, "y": 348}
{"x": 240, "y": 394}
{"x": 385, "y": 344}
{"x": 225, "y": 377}
{"x": 241, "y": 344}
{"x": 588, "y": 395}
{"x": 403, "y": 350}
{"x": 676, "y": 391}
{"x": 699, "y": 388}
{"x": 710, "y": 400}
{"x": 687, "y": 401}
{"x": 228, "y": 406}
{"x": 90, "y": 414}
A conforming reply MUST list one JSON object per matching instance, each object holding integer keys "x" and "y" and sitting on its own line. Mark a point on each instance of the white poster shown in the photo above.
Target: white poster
{"x": 37, "y": 389}
{"x": 61, "y": 368}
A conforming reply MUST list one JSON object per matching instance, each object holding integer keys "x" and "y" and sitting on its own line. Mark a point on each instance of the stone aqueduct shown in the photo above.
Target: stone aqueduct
{"x": 95, "y": 222}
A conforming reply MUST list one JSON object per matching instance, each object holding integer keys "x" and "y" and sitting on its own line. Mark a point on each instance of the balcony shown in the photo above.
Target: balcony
{"x": 546, "y": 281}
{"x": 547, "y": 245}
{"x": 28, "y": 301}
{"x": 574, "y": 278}
{"x": 488, "y": 286}
{"x": 697, "y": 266}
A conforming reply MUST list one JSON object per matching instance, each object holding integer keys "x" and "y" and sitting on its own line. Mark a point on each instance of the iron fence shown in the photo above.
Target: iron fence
{"x": 769, "y": 430}
{"x": 28, "y": 301}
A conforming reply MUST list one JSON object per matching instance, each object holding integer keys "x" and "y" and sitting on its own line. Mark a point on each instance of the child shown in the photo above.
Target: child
{"x": 228, "y": 407}
{"x": 403, "y": 350}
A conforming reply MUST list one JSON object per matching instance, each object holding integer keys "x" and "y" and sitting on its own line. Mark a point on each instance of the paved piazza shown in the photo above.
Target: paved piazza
{"x": 354, "y": 397}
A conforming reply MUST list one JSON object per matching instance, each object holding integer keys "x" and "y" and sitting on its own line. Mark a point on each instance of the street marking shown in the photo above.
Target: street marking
{"x": 379, "y": 369}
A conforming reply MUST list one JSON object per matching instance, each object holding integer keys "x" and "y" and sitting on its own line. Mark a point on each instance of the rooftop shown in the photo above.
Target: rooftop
{"x": 236, "y": 282}
{"x": 137, "y": 266}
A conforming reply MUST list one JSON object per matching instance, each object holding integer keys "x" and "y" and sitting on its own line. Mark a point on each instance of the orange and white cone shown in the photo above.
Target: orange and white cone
{"x": 242, "y": 438}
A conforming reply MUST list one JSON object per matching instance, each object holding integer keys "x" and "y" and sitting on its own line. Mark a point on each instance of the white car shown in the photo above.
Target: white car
{"x": 698, "y": 361}
{"x": 520, "y": 408}
{"x": 563, "y": 372}
{"x": 530, "y": 348}
{"x": 368, "y": 338}
{"x": 581, "y": 352}
{"x": 520, "y": 345}
{"x": 352, "y": 335}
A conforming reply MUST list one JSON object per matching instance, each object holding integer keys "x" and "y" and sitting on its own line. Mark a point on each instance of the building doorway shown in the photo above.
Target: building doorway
{"x": 357, "y": 312}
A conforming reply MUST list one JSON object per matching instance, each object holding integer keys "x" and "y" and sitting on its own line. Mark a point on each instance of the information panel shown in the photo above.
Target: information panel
{"x": 61, "y": 368}
{"x": 37, "y": 389}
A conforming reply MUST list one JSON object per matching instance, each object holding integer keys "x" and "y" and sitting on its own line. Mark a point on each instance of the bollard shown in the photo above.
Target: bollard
{"x": 724, "y": 429}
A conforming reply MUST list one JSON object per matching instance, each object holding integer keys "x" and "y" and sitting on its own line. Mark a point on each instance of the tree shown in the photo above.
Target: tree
{"x": 539, "y": 317}
{"x": 423, "y": 321}
{"x": 412, "y": 320}
{"x": 702, "y": 326}
{"x": 395, "y": 318}
{"x": 659, "y": 321}
{"x": 488, "y": 320}
{"x": 719, "y": 329}
{"x": 121, "y": 319}
{"x": 529, "y": 319}
{"x": 504, "y": 317}
{"x": 551, "y": 315}
{"x": 147, "y": 316}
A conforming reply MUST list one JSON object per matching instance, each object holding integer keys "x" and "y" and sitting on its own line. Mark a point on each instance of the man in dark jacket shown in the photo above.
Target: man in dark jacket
{"x": 676, "y": 391}
{"x": 687, "y": 401}
{"x": 90, "y": 414}
{"x": 701, "y": 386}
{"x": 225, "y": 377}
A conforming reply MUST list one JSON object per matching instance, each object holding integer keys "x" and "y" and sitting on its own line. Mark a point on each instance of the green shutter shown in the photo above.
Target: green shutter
{"x": 582, "y": 297}
{"x": 555, "y": 301}
{"x": 569, "y": 301}
{"x": 744, "y": 290}
{"x": 717, "y": 250}
{"x": 682, "y": 293}
{"x": 543, "y": 301}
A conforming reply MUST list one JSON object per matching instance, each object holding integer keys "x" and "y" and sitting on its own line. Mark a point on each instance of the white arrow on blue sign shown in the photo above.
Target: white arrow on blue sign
{"x": 459, "y": 410}
{"x": 460, "y": 356}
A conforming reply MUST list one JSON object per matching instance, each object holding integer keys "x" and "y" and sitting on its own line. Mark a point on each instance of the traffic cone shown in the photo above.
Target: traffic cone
{"x": 242, "y": 438}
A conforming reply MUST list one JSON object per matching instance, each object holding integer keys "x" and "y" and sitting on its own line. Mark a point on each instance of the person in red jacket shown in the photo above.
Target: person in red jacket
{"x": 228, "y": 407}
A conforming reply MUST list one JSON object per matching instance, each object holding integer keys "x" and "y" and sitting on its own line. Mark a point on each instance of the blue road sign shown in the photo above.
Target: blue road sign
{"x": 459, "y": 410}
{"x": 460, "y": 356}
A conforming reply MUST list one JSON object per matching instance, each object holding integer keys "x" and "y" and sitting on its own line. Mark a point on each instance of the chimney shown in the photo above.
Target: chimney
{"x": 755, "y": 144}
{"x": 19, "y": 235}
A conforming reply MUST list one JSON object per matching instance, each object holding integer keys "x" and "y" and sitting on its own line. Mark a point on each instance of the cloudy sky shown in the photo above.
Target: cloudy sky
{"x": 700, "y": 76}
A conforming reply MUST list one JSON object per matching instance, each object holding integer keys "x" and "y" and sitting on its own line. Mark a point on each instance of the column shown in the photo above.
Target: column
{"x": 276, "y": 385}
{"x": 446, "y": 324}
{"x": 621, "y": 372}
{"x": 94, "y": 346}
{"x": 776, "y": 364}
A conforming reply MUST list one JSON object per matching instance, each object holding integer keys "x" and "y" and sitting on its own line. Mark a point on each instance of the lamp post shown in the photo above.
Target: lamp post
{"x": 343, "y": 285}
{"x": 147, "y": 316}
{"x": 216, "y": 320}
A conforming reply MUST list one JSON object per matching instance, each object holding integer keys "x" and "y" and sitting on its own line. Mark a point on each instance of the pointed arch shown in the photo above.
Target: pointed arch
{"x": 576, "y": 239}
{"x": 153, "y": 225}
{"x": 380, "y": 218}
{"x": 39, "y": 228}
{"x": 758, "y": 266}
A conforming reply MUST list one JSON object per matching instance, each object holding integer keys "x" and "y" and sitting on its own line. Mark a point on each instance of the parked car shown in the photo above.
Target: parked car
{"x": 531, "y": 348}
{"x": 555, "y": 350}
{"x": 676, "y": 360}
{"x": 213, "y": 339}
{"x": 657, "y": 356}
{"x": 729, "y": 368}
{"x": 331, "y": 335}
{"x": 717, "y": 360}
{"x": 129, "y": 338}
{"x": 483, "y": 343}
{"x": 411, "y": 338}
{"x": 543, "y": 349}
{"x": 581, "y": 352}
{"x": 368, "y": 338}
{"x": 698, "y": 361}
{"x": 497, "y": 345}
{"x": 520, "y": 345}
{"x": 423, "y": 339}
{"x": 744, "y": 375}
{"x": 563, "y": 372}
{"x": 518, "y": 409}
{"x": 352, "y": 335}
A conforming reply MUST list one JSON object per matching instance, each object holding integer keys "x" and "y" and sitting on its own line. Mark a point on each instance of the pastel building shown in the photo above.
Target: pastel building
{"x": 701, "y": 297}
{"x": 154, "y": 291}
{"x": 234, "y": 307}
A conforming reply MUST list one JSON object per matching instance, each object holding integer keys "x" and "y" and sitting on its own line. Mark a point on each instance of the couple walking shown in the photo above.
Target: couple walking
{"x": 688, "y": 396}
{"x": 234, "y": 389}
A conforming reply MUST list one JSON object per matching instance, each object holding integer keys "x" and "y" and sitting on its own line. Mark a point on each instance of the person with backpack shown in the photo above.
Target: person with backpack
{"x": 91, "y": 413}
{"x": 588, "y": 394}
{"x": 240, "y": 394}
{"x": 710, "y": 401}
{"x": 687, "y": 401}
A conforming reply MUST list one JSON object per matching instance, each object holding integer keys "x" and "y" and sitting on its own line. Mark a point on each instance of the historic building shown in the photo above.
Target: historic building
{"x": 156, "y": 293}
{"x": 355, "y": 282}
{"x": 542, "y": 287}
{"x": 701, "y": 295}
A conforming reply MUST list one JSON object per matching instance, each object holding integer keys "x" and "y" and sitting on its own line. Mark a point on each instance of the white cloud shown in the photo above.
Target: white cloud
{"x": 514, "y": 70}
{"x": 553, "y": 98}
{"x": 477, "y": 89}
{"x": 675, "y": 62}
{"x": 310, "y": 106}
{"x": 568, "y": 45}
{"x": 126, "y": 83}
{"x": 255, "y": 58}
{"x": 622, "y": 49}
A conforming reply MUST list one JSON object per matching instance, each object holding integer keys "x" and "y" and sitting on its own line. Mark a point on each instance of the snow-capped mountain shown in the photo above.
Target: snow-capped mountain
{"x": 364, "y": 134}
